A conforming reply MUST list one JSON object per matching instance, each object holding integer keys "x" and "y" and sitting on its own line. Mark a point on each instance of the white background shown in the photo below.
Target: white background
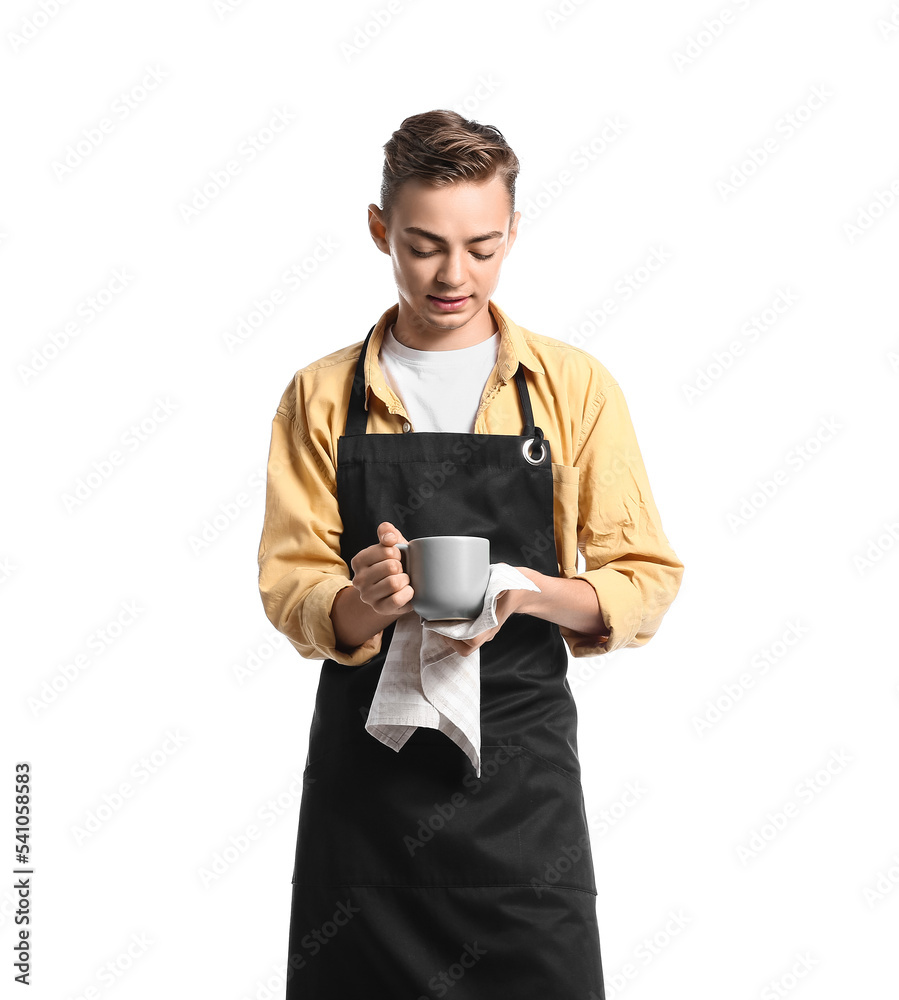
{"x": 770, "y": 833}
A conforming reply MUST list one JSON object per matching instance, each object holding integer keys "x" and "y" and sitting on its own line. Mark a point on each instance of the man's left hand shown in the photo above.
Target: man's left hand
{"x": 507, "y": 603}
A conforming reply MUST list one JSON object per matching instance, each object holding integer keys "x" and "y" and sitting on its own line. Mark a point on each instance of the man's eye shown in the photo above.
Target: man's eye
{"x": 480, "y": 256}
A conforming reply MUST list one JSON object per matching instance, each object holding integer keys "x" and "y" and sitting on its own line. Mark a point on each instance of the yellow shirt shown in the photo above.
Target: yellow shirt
{"x": 602, "y": 503}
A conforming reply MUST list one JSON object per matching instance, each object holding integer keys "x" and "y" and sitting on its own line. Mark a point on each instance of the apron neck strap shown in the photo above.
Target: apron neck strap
{"x": 357, "y": 415}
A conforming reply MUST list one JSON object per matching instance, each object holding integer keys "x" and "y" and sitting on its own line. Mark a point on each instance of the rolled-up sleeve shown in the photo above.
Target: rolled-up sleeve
{"x": 628, "y": 560}
{"x": 300, "y": 566}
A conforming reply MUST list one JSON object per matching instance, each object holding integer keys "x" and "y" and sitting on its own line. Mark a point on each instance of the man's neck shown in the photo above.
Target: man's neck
{"x": 480, "y": 328}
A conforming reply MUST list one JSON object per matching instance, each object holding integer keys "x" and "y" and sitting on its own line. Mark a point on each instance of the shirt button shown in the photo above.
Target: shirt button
{"x": 406, "y": 426}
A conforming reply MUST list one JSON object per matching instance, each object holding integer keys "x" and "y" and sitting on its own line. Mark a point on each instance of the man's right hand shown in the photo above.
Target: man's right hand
{"x": 378, "y": 574}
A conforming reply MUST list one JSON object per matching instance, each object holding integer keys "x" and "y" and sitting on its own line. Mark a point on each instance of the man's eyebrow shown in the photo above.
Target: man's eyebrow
{"x": 441, "y": 239}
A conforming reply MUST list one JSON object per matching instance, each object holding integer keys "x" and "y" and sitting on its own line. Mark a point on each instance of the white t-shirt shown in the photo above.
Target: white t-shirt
{"x": 441, "y": 390}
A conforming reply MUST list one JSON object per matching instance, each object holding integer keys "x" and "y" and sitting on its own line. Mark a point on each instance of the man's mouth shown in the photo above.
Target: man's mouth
{"x": 449, "y": 305}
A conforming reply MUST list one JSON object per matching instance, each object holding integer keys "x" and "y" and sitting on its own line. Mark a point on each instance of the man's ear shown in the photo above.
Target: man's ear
{"x": 513, "y": 233}
{"x": 376, "y": 228}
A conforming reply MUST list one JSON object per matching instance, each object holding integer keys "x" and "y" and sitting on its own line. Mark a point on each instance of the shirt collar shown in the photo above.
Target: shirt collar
{"x": 513, "y": 350}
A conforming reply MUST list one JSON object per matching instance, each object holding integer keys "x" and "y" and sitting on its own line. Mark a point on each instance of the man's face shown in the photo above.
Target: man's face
{"x": 435, "y": 240}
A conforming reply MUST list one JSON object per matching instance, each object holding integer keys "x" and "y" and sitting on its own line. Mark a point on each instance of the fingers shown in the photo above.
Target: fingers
{"x": 376, "y": 553}
{"x": 379, "y": 577}
{"x": 466, "y": 647}
{"x": 390, "y": 595}
{"x": 384, "y": 586}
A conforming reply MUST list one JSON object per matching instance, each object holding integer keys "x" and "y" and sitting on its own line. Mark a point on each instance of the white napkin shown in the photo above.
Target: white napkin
{"x": 425, "y": 682}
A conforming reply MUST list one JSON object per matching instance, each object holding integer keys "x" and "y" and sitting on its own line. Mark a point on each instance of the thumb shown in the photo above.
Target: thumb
{"x": 389, "y": 534}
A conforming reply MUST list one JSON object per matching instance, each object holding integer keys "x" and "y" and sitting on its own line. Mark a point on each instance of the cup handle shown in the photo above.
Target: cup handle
{"x": 404, "y": 549}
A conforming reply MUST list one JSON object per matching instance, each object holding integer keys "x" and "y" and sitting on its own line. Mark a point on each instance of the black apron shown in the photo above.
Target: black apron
{"x": 414, "y": 878}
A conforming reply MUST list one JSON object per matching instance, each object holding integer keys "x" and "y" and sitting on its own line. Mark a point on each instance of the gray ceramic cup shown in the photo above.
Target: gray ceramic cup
{"x": 449, "y": 574}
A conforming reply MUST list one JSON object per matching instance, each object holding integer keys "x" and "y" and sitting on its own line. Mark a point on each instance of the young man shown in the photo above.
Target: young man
{"x": 449, "y": 418}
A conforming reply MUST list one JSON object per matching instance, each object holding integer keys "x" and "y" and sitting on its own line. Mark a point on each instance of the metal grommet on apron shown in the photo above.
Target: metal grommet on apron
{"x": 534, "y": 449}
{"x": 409, "y": 869}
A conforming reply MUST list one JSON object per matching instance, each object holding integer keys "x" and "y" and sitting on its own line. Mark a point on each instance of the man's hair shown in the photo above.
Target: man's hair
{"x": 442, "y": 147}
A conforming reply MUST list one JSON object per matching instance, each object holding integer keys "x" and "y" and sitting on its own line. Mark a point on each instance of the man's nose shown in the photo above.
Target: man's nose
{"x": 452, "y": 271}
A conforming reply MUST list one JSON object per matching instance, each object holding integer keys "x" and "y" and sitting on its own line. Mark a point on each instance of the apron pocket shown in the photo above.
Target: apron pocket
{"x": 415, "y": 817}
{"x": 542, "y": 761}
{"x": 555, "y": 838}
